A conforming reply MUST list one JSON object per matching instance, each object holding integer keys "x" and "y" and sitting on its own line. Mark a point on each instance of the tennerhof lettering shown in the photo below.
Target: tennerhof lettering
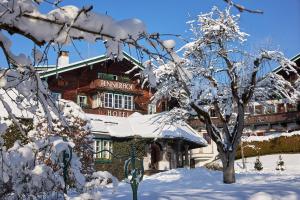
{"x": 116, "y": 85}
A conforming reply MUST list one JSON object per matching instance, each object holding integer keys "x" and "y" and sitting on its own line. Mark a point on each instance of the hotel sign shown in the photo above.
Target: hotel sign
{"x": 116, "y": 113}
{"x": 116, "y": 85}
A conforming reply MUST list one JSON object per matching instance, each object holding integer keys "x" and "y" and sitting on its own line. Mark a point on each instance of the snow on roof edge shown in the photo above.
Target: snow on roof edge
{"x": 145, "y": 127}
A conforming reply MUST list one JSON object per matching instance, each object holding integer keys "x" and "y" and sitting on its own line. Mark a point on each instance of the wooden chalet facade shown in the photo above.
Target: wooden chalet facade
{"x": 101, "y": 86}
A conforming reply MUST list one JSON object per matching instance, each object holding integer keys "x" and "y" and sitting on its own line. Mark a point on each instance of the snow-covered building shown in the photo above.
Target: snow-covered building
{"x": 164, "y": 145}
{"x": 121, "y": 112}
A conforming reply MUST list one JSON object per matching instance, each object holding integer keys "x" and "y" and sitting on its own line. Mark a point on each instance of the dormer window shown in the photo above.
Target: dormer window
{"x": 109, "y": 77}
{"x": 115, "y": 77}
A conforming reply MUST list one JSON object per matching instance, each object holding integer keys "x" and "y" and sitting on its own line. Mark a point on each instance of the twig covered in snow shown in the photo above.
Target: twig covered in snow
{"x": 216, "y": 74}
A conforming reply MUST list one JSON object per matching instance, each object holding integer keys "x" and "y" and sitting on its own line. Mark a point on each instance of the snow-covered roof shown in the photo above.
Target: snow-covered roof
{"x": 46, "y": 72}
{"x": 294, "y": 59}
{"x": 145, "y": 126}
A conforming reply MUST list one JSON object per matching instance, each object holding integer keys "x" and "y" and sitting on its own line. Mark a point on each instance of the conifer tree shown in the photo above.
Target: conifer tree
{"x": 258, "y": 165}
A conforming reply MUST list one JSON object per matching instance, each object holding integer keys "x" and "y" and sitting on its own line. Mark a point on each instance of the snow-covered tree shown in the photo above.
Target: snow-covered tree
{"x": 36, "y": 169}
{"x": 280, "y": 164}
{"x": 214, "y": 72}
{"x": 258, "y": 165}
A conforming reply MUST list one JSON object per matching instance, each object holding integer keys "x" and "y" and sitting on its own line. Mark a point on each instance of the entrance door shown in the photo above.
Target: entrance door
{"x": 155, "y": 156}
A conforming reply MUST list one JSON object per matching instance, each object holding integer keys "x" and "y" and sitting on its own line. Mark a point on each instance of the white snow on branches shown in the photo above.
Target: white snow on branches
{"x": 215, "y": 74}
{"x": 64, "y": 23}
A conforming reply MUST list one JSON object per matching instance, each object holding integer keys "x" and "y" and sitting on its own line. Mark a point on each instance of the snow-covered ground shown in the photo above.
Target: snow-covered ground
{"x": 200, "y": 183}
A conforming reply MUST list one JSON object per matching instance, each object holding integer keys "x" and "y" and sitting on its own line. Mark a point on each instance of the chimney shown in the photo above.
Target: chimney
{"x": 63, "y": 58}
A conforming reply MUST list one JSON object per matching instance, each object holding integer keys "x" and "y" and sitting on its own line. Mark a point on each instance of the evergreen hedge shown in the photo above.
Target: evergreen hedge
{"x": 283, "y": 144}
{"x": 122, "y": 147}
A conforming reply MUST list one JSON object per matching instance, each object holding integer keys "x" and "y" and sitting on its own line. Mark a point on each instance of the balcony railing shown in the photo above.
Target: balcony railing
{"x": 287, "y": 117}
{"x": 275, "y": 118}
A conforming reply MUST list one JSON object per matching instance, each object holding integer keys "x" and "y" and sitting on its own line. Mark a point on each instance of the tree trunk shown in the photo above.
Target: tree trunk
{"x": 228, "y": 167}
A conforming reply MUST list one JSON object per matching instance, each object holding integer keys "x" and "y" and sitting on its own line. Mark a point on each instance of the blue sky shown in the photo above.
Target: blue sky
{"x": 278, "y": 26}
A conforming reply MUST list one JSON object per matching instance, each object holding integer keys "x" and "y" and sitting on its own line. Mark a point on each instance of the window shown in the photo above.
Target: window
{"x": 118, "y": 101}
{"x": 96, "y": 101}
{"x": 101, "y": 75}
{"x": 213, "y": 113}
{"x": 291, "y": 107}
{"x": 249, "y": 110}
{"x": 270, "y": 109}
{"x": 115, "y": 77}
{"x": 105, "y": 76}
{"x": 164, "y": 106}
{"x": 82, "y": 101}
{"x": 101, "y": 144}
{"x": 56, "y": 96}
{"x": 108, "y": 100}
{"x": 151, "y": 108}
{"x": 280, "y": 108}
{"x": 258, "y": 110}
{"x": 128, "y": 102}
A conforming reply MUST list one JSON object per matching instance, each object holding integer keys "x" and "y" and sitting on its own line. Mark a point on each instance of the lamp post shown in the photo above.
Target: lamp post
{"x": 136, "y": 172}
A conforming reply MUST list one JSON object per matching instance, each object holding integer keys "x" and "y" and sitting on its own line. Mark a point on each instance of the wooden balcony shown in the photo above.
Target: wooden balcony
{"x": 276, "y": 118}
{"x": 252, "y": 120}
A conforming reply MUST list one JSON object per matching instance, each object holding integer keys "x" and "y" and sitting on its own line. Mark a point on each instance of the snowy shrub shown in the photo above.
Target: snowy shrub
{"x": 215, "y": 165}
{"x": 280, "y": 164}
{"x": 25, "y": 177}
{"x": 93, "y": 188}
{"x": 35, "y": 168}
{"x": 101, "y": 179}
{"x": 258, "y": 165}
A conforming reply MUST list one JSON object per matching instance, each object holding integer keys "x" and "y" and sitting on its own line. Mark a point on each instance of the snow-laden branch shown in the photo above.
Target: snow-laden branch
{"x": 215, "y": 75}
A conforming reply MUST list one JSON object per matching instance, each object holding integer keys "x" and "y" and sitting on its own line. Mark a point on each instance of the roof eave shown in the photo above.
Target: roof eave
{"x": 295, "y": 58}
{"x": 85, "y": 63}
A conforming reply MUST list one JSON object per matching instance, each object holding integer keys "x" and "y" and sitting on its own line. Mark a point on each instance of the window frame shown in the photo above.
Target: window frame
{"x": 56, "y": 95}
{"x": 117, "y": 98}
{"x": 99, "y": 146}
{"x": 126, "y": 101}
{"x": 84, "y": 102}
{"x": 107, "y": 97}
{"x": 151, "y": 108}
